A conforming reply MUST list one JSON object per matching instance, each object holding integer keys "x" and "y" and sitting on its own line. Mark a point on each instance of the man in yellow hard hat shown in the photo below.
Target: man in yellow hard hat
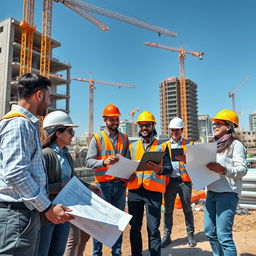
{"x": 101, "y": 154}
{"x": 179, "y": 183}
{"x": 146, "y": 188}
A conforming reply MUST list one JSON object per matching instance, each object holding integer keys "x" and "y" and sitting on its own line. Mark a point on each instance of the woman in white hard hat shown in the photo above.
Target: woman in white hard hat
{"x": 223, "y": 194}
{"x": 59, "y": 167}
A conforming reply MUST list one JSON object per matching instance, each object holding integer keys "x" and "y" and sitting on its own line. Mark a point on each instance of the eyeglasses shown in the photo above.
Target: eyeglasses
{"x": 218, "y": 124}
{"x": 70, "y": 131}
{"x": 147, "y": 125}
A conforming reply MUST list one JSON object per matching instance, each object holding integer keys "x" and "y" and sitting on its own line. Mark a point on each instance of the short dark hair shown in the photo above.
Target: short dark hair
{"x": 30, "y": 83}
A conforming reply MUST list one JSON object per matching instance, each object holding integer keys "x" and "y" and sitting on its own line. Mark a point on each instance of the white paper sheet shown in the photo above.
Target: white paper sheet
{"x": 197, "y": 157}
{"x": 124, "y": 168}
{"x": 92, "y": 214}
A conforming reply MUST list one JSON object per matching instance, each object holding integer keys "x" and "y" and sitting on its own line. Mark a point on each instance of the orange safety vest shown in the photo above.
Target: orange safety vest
{"x": 149, "y": 179}
{"x": 106, "y": 149}
{"x": 183, "y": 172}
{"x": 13, "y": 113}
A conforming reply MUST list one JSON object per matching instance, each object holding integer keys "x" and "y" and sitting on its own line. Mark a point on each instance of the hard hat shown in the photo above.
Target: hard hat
{"x": 227, "y": 115}
{"x": 146, "y": 116}
{"x": 57, "y": 118}
{"x": 176, "y": 123}
{"x": 111, "y": 110}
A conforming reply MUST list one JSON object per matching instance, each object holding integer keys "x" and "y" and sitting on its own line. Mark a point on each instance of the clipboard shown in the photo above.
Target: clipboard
{"x": 152, "y": 156}
{"x": 176, "y": 152}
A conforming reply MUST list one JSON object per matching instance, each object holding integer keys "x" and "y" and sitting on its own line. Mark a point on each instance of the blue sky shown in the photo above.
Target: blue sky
{"x": 223, "y": 30}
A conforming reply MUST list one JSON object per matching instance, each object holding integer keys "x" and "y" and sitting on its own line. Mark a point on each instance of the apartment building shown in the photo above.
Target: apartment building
{"x": 170, "y": 105}
{"x": 10, "y": 45}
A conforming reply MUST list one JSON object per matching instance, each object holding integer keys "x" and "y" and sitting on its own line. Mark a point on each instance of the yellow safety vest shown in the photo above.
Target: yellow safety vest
{"x": 106, "y": 149}
{"x": 148, "y": 179}
{"x": 183, "y": 172}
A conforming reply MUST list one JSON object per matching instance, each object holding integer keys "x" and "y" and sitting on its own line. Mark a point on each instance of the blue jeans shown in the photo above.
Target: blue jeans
{"x": 53, "y": 239}
{"x": 219, "y": 216}
{"x": 113, "y": 193}
{"x": 137, "y": 200}
{"x": 183, "y": 189}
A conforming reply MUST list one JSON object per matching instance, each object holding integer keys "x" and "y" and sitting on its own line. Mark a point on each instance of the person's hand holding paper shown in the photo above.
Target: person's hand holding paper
{"x": 110, "y": 160}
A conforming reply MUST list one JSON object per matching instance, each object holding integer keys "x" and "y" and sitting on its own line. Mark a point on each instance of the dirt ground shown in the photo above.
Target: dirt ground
{"x": 244, "y": 232}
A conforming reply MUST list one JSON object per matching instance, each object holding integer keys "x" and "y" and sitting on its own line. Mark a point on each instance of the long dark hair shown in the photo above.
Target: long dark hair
{"x": 229, "y": 141}
{"x": 52, "y": 138}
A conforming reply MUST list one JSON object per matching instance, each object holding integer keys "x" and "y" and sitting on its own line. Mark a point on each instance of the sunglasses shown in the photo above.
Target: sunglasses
{"x": 70, "y": 131}
{"x": 218, "y": 124}
{"x": 147, "y": 125}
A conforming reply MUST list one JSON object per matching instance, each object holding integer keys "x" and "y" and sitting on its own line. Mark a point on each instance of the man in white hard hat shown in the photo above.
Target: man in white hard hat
{"x": 180, "y": 183}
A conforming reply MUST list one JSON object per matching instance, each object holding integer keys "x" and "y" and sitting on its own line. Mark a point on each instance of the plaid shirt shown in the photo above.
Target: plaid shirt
{"x": 22, "y": 175}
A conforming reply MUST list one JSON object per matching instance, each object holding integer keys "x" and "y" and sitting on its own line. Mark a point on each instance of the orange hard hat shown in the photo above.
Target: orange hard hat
{"x": 111, "y": 110}
{"x": 226, "y": 115}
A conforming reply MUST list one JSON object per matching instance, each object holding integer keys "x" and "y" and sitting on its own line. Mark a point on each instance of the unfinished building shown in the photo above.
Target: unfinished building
{"x": 170, "y": 105}
{"x": 10, "y": 45}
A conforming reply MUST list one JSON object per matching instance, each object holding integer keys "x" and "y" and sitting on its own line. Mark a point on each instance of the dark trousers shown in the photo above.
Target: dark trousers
{"x": 184, "y": 190}
{"x": 19, "y": 232}
{"x": 137, "y": 199}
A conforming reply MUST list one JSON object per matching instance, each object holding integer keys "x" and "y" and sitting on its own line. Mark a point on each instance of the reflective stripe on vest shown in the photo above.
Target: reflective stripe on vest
{"x": 149, "y": 179}
{"x": 105, "y": 150}
{"x": 183, "y": 172}
{"x": 13, "y": 113}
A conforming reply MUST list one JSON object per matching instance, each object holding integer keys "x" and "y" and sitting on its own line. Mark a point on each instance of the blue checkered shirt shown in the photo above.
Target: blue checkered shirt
{"x": 22, "y": 175}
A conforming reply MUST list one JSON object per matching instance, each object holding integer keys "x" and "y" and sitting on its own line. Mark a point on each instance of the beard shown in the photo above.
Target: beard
{"x": 112, "y": 129}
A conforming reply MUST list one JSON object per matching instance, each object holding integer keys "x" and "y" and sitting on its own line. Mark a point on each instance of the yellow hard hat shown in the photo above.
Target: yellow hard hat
{"x": 146, "y": 116}
{"x": 227, "y": 115}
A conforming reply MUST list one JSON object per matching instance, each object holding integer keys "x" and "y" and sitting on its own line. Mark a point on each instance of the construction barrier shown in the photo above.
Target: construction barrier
{"x": 195, "y": 197}
{"x": 248, "y": 195}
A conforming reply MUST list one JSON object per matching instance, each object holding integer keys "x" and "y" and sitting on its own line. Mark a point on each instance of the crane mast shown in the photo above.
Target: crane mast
{"x": 28, "y": 28}
{"x": 91, "y": 96}
{"x": 232, "y": 93}
{"x": 183, "y": 91}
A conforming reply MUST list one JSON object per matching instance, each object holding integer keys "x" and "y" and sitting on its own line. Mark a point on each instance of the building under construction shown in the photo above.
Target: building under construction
{"x": 170, "y": 105}
{"x": 10, "y": 45}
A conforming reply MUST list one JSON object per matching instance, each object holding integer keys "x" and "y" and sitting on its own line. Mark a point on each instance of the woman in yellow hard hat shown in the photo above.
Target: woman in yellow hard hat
{"x": 223, "y": 194}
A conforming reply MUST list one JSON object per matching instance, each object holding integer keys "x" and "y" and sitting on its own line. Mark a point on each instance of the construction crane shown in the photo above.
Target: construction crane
{"x": 91, "y": 96}
{"x": 28, "y": 28}
{"x": 183, "y": 95}
{"x": 83, "y": 9}
{"x": 232, "y": 93}
{"x": 132, "y": 113}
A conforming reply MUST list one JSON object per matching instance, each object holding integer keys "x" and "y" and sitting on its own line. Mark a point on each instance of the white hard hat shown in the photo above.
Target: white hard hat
{"x": 176, "y": 123}
{"x": 57, "y": 119}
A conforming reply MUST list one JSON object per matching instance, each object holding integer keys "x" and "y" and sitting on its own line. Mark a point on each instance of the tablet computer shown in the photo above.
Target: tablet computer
{"x": 152, "y": 156}
{"x": 176, "y": 152}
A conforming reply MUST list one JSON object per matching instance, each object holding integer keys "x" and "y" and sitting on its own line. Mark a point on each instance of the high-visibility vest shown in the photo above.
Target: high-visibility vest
{"x": 183, "y": 172}
{"x": 13, "y": 113}
{"x": 106, "y": 149}
{"x": 148, "y": 179}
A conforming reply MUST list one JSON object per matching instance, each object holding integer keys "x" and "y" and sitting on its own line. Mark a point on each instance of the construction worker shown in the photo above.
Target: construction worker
{"x": 179, "y": 183}
{"x": 22, "y": 176}
{"x": 146, "y": 188}
{"x": 101, "y": 154}
{"x": 223, "y": 194}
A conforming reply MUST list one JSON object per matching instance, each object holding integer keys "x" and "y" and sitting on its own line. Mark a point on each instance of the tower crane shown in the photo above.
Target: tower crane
{"x": 232, "y": 93}
{"x": 132, "y": 113}
{"x": 84, "y": 9}
{"x": 183, "y": 95}
{"x": 91, "y": 95}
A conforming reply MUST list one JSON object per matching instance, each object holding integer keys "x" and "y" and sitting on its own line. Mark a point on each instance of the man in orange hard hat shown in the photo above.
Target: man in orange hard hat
{"x": 101, "y": 154}
{"x": 146, "y": 188}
